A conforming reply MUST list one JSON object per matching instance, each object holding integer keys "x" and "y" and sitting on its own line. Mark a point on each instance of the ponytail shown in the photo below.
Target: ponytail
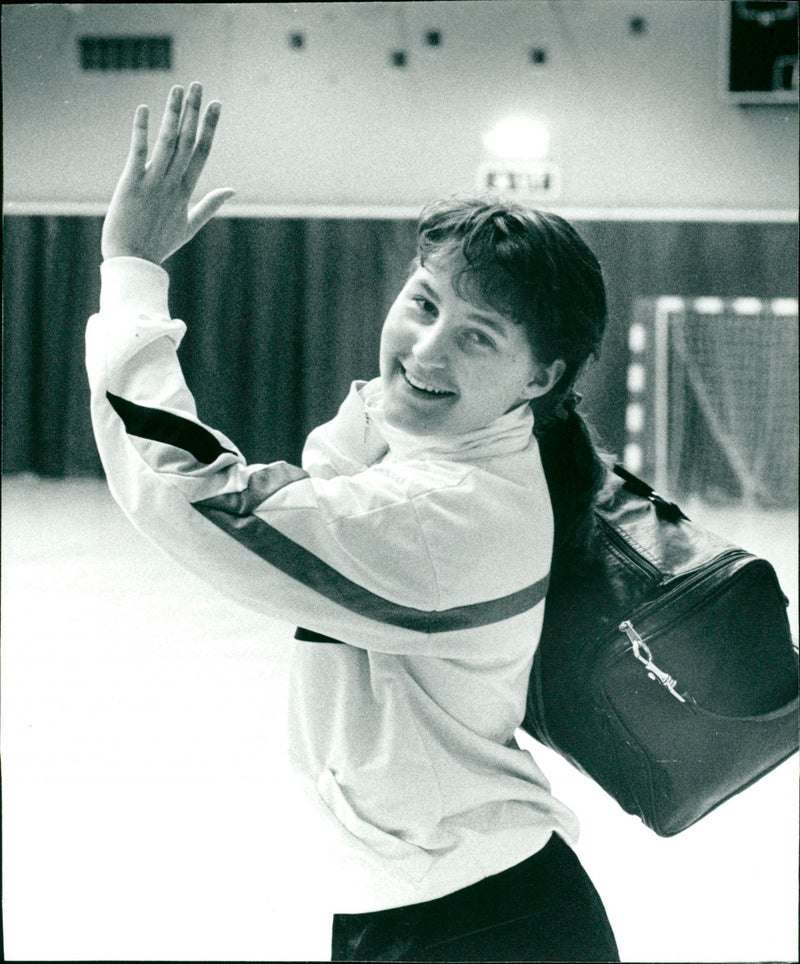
{"x": 576, "y": 473}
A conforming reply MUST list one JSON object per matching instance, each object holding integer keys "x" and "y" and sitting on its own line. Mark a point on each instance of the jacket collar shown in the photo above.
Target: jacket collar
{"x": 510, "y": 433}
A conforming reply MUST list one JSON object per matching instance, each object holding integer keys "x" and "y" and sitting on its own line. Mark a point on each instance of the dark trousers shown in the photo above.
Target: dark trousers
{"x": 544, "y": 909}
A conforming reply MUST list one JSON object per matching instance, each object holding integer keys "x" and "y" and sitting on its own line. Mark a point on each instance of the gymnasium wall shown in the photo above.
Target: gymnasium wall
{"x": 635, "y": 113}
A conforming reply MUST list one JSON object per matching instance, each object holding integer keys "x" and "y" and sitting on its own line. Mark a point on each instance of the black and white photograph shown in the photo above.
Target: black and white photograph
{"x": 400, "y": 481}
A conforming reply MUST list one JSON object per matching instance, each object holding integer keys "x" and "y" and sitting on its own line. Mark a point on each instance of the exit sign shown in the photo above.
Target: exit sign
{"x": 526, "y": 180}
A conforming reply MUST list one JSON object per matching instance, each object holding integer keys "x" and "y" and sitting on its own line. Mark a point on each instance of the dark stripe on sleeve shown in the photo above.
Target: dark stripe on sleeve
{"x": 295, "y": 561}
{"x": 160, "y": 426}
{"x": 309, "y": 636}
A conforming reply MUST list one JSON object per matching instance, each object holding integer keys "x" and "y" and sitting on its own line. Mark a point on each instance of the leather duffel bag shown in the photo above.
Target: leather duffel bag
{"x": 666, "y": 669}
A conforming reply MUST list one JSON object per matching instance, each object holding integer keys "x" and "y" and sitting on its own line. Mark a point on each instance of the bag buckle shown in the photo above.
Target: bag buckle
{"x": 642, "y": 652}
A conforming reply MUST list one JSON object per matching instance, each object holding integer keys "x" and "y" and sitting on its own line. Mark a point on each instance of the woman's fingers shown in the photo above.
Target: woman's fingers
{"x": 179, "y": 149}
{"x": 204, "y": 210}
{"x": 149, "y": 215}
{"x": 137, "y": 154}
{"x": 188, "y": 128}
{"x": 168, "y": 132}
{"x": 203, "y": 146}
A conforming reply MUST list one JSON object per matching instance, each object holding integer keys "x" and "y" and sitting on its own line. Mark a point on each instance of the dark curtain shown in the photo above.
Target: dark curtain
{"x": 50, "y": 287}
{"x": 284, "y": 313}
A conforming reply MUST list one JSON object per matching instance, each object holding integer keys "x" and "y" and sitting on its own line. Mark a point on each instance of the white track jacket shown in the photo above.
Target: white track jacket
{"x": 427, "y": 558}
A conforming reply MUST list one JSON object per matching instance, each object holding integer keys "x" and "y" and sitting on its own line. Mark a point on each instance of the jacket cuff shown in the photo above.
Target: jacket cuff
{"x": 132, "y": 283}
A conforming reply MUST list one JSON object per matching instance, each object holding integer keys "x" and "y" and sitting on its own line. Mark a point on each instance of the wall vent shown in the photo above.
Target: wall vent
{"x": 125, "y": 53}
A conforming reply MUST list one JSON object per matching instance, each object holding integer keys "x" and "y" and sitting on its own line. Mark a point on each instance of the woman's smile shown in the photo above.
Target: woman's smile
{"x": 425, "y": 386}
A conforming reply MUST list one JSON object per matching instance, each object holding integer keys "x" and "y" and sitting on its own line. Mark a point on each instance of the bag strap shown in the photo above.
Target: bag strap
{"x": 668, "y": 511}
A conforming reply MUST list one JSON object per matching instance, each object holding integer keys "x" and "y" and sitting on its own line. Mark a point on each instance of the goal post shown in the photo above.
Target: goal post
{"x": 712, "y": 405}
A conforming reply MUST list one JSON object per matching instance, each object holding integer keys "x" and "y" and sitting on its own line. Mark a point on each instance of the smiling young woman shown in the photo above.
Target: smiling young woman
{"x": 413, "y": 546}
{"x": 449, "y": 366}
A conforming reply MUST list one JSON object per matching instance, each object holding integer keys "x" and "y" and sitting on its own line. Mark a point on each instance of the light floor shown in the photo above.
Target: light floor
{"x": 148, "y": 812}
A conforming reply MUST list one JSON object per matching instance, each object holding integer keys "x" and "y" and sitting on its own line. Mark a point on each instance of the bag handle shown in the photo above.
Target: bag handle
{"x": 668, "y": 511}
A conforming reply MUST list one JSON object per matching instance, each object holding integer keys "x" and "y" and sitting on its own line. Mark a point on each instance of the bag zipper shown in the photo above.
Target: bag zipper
{"x": 631, "y": 555}
{"x": 638, "y": 645}
{"x": 642, "y": 652}
{"x": 639, "y": 561}
{"x": 688, "y": 583}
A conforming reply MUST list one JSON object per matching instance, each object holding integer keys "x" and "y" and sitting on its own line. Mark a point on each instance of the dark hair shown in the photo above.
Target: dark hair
{"x": 534, "y": 267}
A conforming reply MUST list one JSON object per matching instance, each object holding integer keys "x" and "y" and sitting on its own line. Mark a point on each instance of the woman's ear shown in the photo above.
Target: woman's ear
{"x": 546, "y": 376}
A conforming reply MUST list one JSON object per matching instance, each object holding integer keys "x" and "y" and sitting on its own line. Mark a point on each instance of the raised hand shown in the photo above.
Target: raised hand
{"x": 149, "y": 216}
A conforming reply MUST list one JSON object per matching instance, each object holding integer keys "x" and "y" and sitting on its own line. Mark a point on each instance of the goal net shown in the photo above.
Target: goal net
{"x": 713, "y": 398}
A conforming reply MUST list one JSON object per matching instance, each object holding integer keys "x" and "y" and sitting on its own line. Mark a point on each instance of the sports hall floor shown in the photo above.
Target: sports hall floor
{"x": 148, "y": 809}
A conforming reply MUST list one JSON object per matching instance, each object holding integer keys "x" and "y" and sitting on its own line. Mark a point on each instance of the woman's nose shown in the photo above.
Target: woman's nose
{"x": 430, "y": 348}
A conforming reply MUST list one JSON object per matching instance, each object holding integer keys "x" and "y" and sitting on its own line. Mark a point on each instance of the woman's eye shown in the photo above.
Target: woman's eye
{"x": 425, "y": 305}
{"x": 478, "y": 338}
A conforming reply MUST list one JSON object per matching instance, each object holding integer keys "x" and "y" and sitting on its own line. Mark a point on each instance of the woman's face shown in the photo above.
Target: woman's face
{"x": 449, "y": 367}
